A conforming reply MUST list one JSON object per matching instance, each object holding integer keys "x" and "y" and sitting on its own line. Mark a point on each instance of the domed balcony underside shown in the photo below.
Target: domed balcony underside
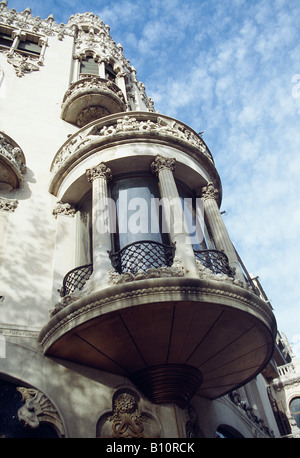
{"x": 173, "y": 338}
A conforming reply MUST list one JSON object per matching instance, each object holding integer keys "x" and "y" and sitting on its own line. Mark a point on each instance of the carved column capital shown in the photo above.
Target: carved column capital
{"x": 63, "y": 209}
{"x": 100, "y": 171}
{"x": 161, "y": 163}
{"x": 209, "y": 192}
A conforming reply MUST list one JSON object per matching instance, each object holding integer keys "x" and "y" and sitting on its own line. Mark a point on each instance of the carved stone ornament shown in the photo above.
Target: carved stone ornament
{"x": 100, "y": 171}
{"x": 90, "y": 114}
{"x": 176, "y": 270}
{"x": 127, "y": 421}
{"x": 162, "y": 163}
{"x": 8, "y": 205}
{"x": 209, "y": 192}
{"x": 26, "y": 21}
{"x": 22, "y": 64}
{"x": 12, "y": 159}
{"x": 37, "y": 409}
{"x": 64, "y": 209}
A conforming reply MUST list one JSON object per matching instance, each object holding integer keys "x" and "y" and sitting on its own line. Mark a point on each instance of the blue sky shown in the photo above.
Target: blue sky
{"x": 230, "y": 68}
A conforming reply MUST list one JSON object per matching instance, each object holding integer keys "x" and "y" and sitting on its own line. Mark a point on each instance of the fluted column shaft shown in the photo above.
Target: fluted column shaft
{"x": 101, "y": 237}
{"x": 218, "y": 229}
{"x": 178, "y": 232}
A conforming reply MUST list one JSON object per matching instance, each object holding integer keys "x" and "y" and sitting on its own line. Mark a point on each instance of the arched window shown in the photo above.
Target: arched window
{"x": 295, "y": 410}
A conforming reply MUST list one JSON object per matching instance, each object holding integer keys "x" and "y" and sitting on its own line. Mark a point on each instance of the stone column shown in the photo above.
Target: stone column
{"x": 120, "y": 82}
{"x": 64, "y": 258}
{"x": 102, "y": 69}
{"x": 76, "y": 68}
{"x": 163, "y": 168}
{"x": 218, "y": 228}
{"x": 99, "y": 177}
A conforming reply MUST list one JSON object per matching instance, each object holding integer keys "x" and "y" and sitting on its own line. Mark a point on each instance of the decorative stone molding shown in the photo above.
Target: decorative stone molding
{"x": 206, "y": 273}
{"x": 127, "y": 420}
{"x": 191, "y": 426}
{"x": 90, "y": 114}
{"x": 12, "y": 162}
{"x": 22, "y": 64}
{"x": 100, "y": 171}
{"x": 162, "y": 163}
{"x": 37, "y": 409}
{"x": 65, "y": 209}
{"x": 8, "y": 205}
{"x": 26, "y": 21}
{"x": 176, "y": 270}
{"x": 209, "y": 192}
{"x": 236, "y": 399}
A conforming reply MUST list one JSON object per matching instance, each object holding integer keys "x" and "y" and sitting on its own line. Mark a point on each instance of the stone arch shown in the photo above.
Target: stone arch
{"x": 27, "y": 412}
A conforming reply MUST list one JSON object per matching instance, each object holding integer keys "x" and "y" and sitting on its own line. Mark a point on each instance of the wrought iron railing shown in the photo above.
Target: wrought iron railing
{"x": 76, "y": 279}
{"x": 142, "y": 255}
{"x": 215, "y": 260}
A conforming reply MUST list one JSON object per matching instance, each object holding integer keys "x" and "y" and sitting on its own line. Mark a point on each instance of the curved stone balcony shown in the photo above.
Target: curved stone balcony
{"x": 128, "y": 128}
{"x": 172, "y": 336}
{"x": 91, "y": 98}
{"x": 12, "y": 163}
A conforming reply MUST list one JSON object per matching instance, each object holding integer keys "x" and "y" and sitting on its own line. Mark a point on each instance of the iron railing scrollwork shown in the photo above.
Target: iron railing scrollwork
{"x": 142, "y": 255}
{"x": 215, "y": 260}
{"x": 76, "y": 279}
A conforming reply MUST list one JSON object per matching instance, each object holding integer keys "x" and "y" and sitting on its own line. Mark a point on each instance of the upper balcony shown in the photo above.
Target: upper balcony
{"x": 90, "y": 98}
{"x": 129, "y": 128}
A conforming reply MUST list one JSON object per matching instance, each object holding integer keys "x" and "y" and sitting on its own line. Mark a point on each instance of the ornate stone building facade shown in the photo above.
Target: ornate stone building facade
{"x": 125, "y": 310}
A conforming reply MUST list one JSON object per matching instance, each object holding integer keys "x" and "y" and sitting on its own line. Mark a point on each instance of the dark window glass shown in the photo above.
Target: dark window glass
{"x": 89, "y": 66}
{"x": 5, "y": 40}
{"x": 29, "y": 46}
{"x": 109, "y": 72}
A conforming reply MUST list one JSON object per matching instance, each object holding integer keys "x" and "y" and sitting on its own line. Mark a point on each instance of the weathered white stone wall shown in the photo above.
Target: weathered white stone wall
{"x": 30, "y": 114}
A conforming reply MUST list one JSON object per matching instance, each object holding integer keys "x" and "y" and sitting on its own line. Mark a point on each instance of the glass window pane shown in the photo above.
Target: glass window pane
{"x": 138, "y": 216}
{"x": 89, "y": 66}
{"x": 29, "y": 46}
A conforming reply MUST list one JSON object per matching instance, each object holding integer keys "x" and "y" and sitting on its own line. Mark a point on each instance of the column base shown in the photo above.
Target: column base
{"x": 170, "y": 383}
